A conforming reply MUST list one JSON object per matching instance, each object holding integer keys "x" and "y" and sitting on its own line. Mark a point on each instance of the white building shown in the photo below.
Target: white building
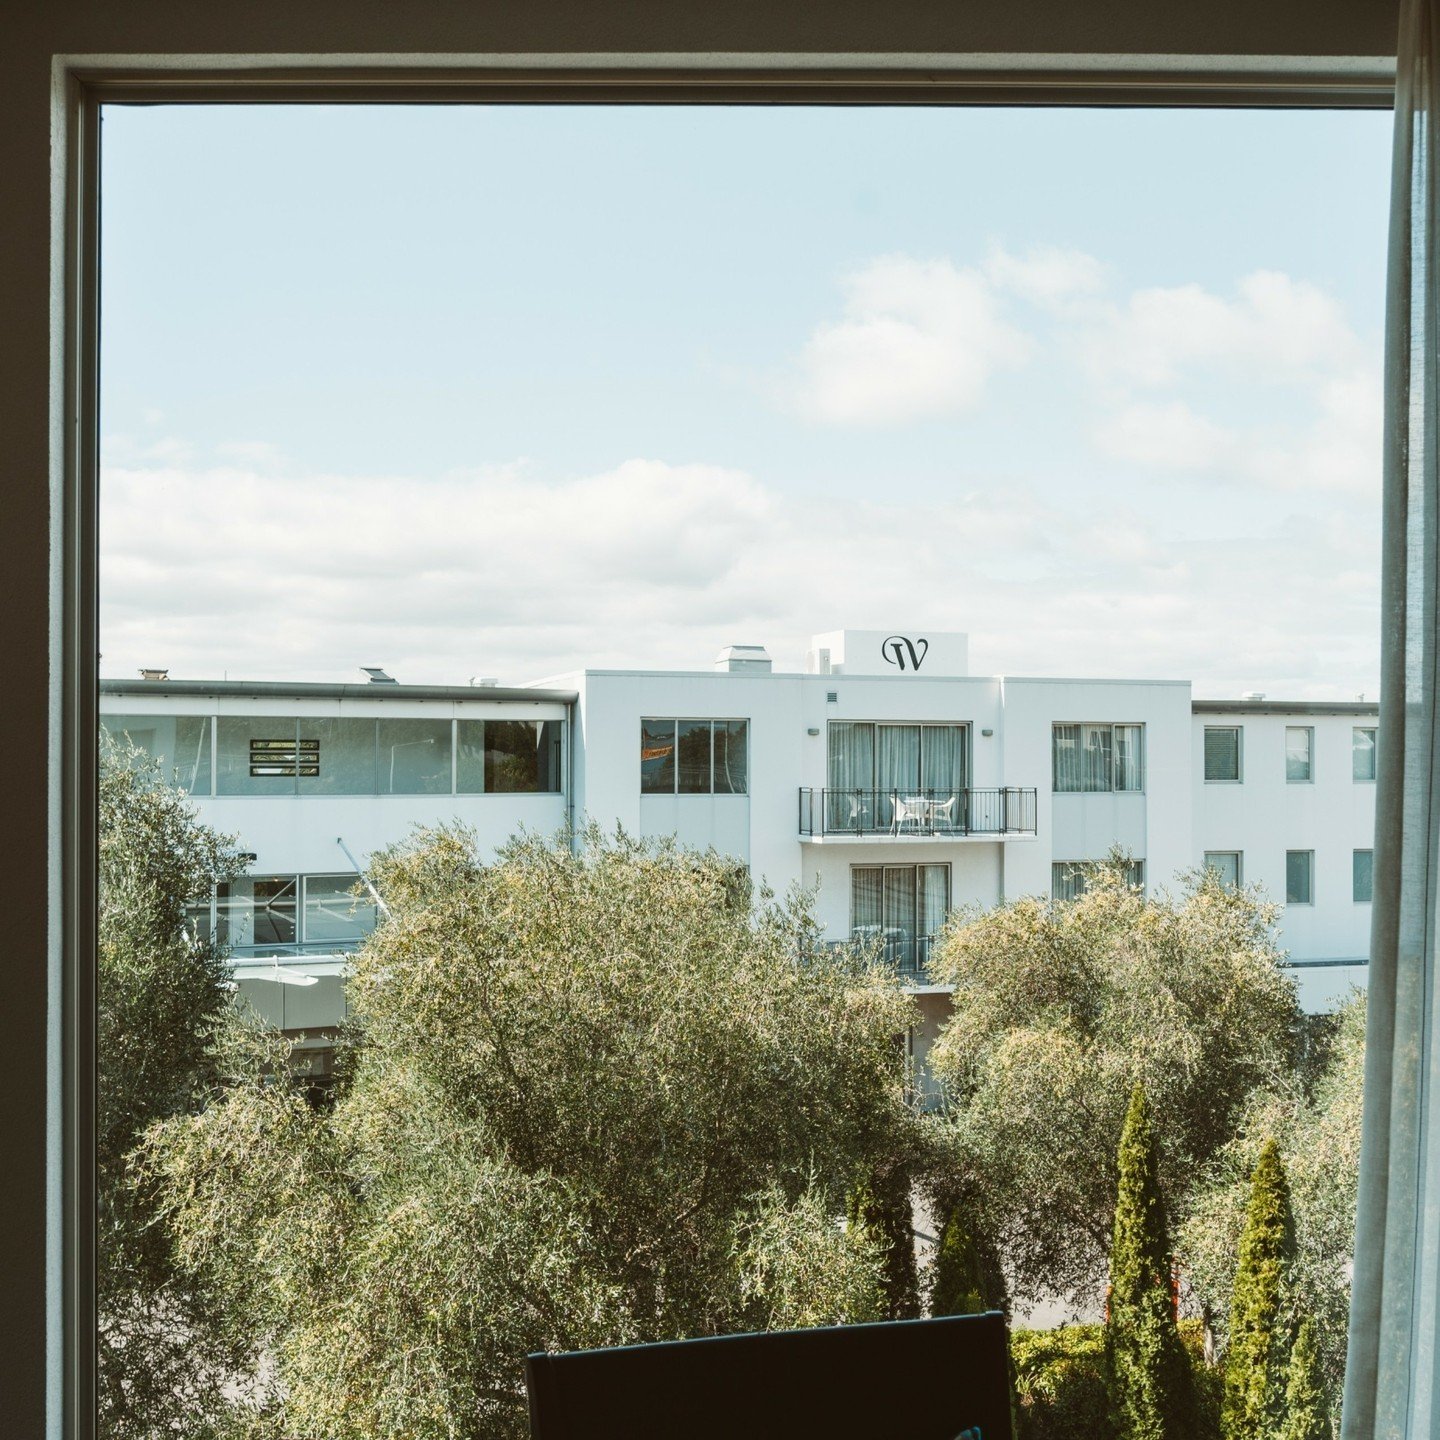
{"x": 885, "y": 777}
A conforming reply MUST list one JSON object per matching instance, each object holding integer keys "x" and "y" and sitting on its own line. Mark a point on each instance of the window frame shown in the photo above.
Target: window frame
{"x": 1354, "y": 857}
{"x": 712, "y": 721}
{"x": 1239, "y": 857}
{"x": 1112, "y": 726}
{"x": 1309, "y": 878}
{"x": 1239, "y": 776}
{"x": 1373, "y": 731}
{"x": 1050, "y": 53}
{"x": 1309, "y": 732}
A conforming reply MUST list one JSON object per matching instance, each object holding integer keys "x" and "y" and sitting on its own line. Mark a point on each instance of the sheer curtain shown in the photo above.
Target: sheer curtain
{"x": 1391, "y": 1371}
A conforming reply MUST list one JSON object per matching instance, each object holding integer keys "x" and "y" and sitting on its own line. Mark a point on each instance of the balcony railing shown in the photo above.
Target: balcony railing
{"x": 942, "y": 813}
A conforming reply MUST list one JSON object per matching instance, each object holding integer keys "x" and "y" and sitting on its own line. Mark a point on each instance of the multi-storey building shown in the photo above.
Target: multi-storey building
{"x": 884, "y": 777}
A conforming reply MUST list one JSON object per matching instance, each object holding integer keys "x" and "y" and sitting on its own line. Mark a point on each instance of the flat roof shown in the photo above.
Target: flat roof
{"x": 1285, "y": 707}
{"x": 147, "y": 689}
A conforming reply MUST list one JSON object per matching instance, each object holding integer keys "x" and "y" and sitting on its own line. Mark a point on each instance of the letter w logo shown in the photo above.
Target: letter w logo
{"x": 900, "y": 649}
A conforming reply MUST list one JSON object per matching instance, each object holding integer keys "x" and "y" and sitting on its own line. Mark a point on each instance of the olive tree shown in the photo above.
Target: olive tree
{"x": 1059, "y": 1009}
{"x": 591, "y": 1096}
{"x": 162, "y": 1002}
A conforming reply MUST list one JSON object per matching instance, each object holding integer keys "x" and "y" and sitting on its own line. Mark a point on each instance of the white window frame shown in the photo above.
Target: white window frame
{"x": 1373, "y": 731}
{"x": 1309, "y": 732}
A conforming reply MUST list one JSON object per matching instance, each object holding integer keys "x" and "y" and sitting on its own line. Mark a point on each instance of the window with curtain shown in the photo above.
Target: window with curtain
{"x": 1069, "y": 879}
{"x": 871, "y": 763}
{"x": 1299, "y": 754}
{"x": 1222, "y": 752}
{"x": 1094, "y": 758}
{"x": 900, "y": 908}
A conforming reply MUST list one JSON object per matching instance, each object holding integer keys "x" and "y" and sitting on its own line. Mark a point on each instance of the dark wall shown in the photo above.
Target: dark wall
{"x": 32, "y": 31}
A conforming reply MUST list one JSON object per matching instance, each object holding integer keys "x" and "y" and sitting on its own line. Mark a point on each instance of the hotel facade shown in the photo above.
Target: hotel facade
{"x": 883, "y": 777}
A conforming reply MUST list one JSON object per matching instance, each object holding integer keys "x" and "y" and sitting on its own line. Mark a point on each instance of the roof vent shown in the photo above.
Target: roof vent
{"x": 378, "y": 676}
{"x": 744, "y": 659}
{"x": 154, "y": 674}
{"x": 484, "y": 682}
{"x": 1253, "y": 695}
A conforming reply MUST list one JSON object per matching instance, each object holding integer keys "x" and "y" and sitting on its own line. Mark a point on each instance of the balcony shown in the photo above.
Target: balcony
{"x": 841, "y": 815}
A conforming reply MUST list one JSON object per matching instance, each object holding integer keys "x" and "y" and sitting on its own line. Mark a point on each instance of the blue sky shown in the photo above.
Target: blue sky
{"x": 508, "y": 390}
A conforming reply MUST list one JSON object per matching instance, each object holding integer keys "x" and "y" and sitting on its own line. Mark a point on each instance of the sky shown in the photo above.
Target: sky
{"x": 509, "y": 391}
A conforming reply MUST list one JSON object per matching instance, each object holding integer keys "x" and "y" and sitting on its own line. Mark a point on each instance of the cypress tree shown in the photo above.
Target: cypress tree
{"x": 1147, "y": 1369}
{"x": 966, "y": 1278}
{"x": 882, "y": 1205}
{"x": 1307, "y": 1415}
{"x": 1253, "y": 1403}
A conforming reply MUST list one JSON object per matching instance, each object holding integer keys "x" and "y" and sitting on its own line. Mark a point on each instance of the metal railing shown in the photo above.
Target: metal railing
{"x": 1008, "y": 811}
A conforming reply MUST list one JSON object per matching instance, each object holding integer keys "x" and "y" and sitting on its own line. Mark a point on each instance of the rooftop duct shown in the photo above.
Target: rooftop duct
{"x": 744, "y": 660}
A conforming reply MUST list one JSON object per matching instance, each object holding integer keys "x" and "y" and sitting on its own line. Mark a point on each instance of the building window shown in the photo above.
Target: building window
{"x": 1226, "y": 865}
{"x": 1363, "y": 876}
{"x": 900, "y": 908}
{"x": 285, "y": 915}
{"x": 873, "y": 769}
{"x": 179, "y": 745}
{"x": 1362, "y": 752}
{"x": 1299, "y": 877}
{"x": 1299, "y": 754}
{"x": 1089, "y": 758}
{"x": 694, "y": 757}
{"x": 1069, "y": 879}
{"x": 509, "y": 757}
{"x": 1222, "y": 752}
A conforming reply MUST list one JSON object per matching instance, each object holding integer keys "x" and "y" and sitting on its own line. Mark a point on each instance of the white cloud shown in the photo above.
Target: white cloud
{"x": 1275, "y": 328}
{"x": 1047, "y": 275}
{"x": 657, "y": 565}
{"x": 1168, "y": 435}
{"x": 919, "y": 338}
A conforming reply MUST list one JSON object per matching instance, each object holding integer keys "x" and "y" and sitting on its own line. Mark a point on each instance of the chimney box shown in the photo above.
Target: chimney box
{"x": 744, "y": 660}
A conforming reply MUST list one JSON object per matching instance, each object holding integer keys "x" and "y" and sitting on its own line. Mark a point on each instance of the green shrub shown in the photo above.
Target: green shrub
{"x": 1059, "y": 1378}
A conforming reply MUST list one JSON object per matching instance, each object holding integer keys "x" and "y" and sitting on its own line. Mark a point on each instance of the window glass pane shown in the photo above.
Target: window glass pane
{"x": 345, "y": 760}
{"x": 942, "y": 760}
{"x": 261, "y": 755}
{"x": 514, "y": 757}
{"x": 1066, "y": 757}
{"x": 333, "y": 913}
{"x": 657, "y": 757}
{"x": 900, "y": 914}
{"x": 1222, "y": 752}
{"x": 692, "y": 745}
{"x": 1226, "y": 864}
{"x": 179, "y": 745}
{"x": 1096, "y": 744}
{"x": 1362, "y": 752}
{"x": 1298, "y": 740}
{"x": 256, "y": 913}
{"x": 897, "y": 764}
{"x": 731, "y": 760}
{"x": 867, "y": 909}
{"x": 1067, "y": 879}
{"x": 1364, "y": 875}
{"x": 414, "y": 757}
{"x": 1129, "y": 757}
{"x": 469, "y": 757}
{"x": 1135, "y": 874}
{"x": 1298, "y": 864}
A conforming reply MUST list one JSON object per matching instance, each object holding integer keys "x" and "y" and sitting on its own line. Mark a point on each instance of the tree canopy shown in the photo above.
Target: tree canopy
{"x": 161, "y": 1004}
{"x": 591, "y": 1097}
{"x": 1059, "y": 1008}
